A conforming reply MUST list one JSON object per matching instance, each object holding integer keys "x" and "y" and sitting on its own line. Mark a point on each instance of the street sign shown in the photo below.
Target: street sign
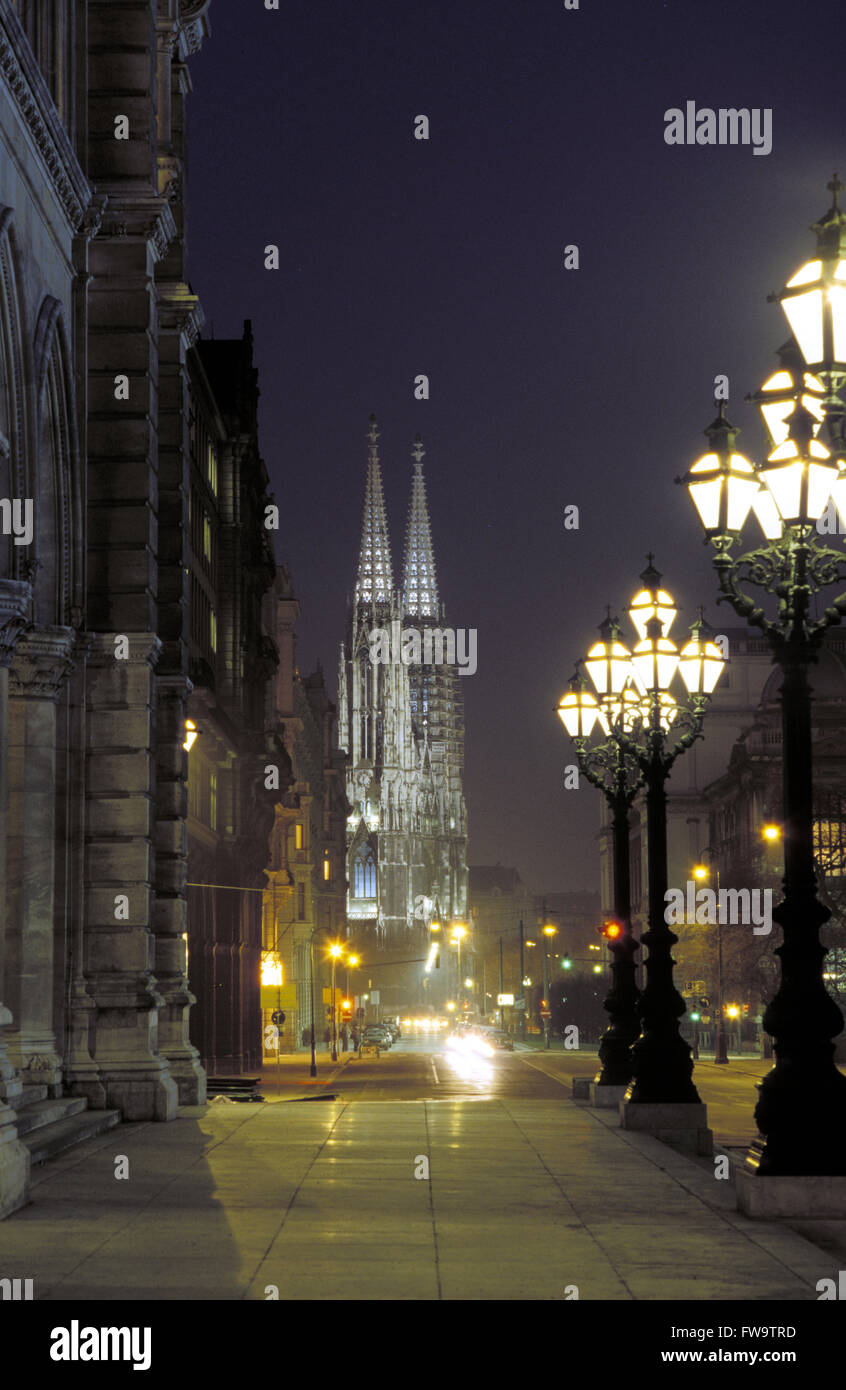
{"x": 503, "y": 999}
{"x": 277, "y": 1016}
{"x": 546, "y": 1013}
{"x": 279, "y": 996}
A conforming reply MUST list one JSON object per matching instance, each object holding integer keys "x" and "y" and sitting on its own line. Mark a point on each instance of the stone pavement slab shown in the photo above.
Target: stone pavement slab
{"x": 524, "y": 1200}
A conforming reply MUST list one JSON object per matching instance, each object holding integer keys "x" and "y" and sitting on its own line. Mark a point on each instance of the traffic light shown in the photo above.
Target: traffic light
{"x": 611, "y": 930}
{"x": 566, "y": 963}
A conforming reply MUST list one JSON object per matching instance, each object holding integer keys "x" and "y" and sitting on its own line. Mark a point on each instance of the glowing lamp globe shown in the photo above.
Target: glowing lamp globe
{"x": 722, "y": 483}
{"x": 799, "y": 478}
{"x": 722, "y": 491}
{"x": 814, "y": 302}
{"x": 580, "y": 713}
{"x": 655, "y": 660}
{"x": 652, "y": 602}
{"x": 778, "y": 396}
{"x": 623, "y": 711}
{"x": 659, "y": 708}
{"x": 609, "y": 665}
{"x": 701, "y": 663}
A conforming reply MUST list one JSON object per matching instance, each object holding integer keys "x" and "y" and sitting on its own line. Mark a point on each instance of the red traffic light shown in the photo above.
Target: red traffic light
{"x": 612, "y": 931}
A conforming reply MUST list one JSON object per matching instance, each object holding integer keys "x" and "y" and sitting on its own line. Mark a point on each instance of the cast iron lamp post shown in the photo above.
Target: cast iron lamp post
{"x": 607, "y": 766}
{"x": 721, "y": 1056}
{"x": 801, "y": 1111}
{"x": 636, "y": 712}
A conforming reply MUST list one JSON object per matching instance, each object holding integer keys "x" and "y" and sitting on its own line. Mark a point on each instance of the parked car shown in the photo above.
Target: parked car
{"x": 376, "y": 1033}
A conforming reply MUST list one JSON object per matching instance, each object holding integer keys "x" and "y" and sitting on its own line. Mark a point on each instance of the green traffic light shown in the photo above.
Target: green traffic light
{"x": 566, "y": 963}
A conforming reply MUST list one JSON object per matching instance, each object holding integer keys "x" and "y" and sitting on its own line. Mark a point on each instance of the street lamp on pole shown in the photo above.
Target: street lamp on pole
{"x": 801, "y": 1110}
{"x": 646, "y": 729}
{"x": 458, "y": 932}
{"x": 721, "y": 1058}
{"x": 335, "y": 952}
{"x": 548, "y": 931}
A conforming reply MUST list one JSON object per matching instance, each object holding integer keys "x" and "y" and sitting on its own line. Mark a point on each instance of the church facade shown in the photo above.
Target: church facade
{"x": 401, "y": 726}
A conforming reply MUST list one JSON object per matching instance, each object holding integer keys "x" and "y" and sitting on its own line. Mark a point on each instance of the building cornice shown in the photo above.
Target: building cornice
{"x": 193, "y": 26}
{"x": 32, "y": 100}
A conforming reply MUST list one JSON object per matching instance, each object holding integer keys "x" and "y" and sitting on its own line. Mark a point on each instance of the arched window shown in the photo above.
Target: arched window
{"x": 364, "y": 873}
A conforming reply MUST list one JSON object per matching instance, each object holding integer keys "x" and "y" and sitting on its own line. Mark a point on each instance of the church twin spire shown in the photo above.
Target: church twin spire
{"x": 374, "y": 584}
{"x": 419, "y": 585}
{"x": 375, "y": 576}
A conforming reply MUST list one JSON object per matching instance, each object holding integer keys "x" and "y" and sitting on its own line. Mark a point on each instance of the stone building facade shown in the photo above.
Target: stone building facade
{"x": 402, "y": 727}
{"x": 97, "y": 321}
{"x": 230, "y": 811}
{"x": 305, "y": 895}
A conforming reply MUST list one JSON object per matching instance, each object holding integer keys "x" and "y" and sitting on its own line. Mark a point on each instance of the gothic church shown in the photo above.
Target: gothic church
{"x": 401, "y": 726}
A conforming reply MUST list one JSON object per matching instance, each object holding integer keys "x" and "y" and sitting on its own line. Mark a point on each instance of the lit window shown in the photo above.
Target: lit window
{"x": 211, "y": 466}
{"x": 207, "y": 539}
{"x": 298, "y": 836}
{"x": 213, "y": 630}
{"x": 327, "y": 869}
{"x": 364, "y": 874}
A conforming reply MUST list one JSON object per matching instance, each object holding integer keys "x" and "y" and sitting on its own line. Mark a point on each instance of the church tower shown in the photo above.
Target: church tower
{"x": 401, "y": 726}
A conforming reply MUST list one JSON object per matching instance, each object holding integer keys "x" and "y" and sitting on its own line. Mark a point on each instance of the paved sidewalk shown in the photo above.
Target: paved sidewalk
{"x": 524, "y": 1200}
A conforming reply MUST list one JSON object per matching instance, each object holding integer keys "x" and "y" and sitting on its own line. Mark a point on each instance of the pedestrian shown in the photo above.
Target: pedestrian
{"x": 327, "y": 1038}
{"x": 344, "y": 1038}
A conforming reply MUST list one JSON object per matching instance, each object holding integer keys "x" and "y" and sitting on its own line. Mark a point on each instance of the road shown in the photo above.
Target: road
{"x": 423, "y": 1068}
{"x": 420, "y": 1066}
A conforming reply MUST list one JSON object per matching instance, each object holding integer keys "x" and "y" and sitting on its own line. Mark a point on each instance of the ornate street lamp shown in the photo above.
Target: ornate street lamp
{"x": 607, "y": 766}
{"x": 801, "y": 1111}
{"x": 662, "y": 1063}
{"x": 637, "y": 708}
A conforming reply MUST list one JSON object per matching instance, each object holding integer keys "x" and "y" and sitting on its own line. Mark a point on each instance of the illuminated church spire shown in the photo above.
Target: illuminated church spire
{"x": 374, "y": 583}
{"x": 419, "y": 585}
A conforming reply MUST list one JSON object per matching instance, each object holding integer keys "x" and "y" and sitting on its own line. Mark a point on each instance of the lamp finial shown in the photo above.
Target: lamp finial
{"x": 835, "y": 187}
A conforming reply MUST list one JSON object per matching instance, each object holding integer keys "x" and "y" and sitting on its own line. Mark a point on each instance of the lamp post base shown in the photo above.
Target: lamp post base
{"x": 606, "y": 1097}
{"x": 791, "y": 1197}
{"x": 682, "y": 1126}
{"x": 801, "y": 1116}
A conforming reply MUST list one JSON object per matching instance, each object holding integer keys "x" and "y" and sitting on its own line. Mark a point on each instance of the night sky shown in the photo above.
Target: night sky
{"x": 549, "y": 387}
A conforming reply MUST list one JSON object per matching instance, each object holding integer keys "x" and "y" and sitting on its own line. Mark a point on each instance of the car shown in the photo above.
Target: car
{"x": 375, "y": 1032}
{"x": 500, "y": 1040}
{"x": 393, "y": 1029}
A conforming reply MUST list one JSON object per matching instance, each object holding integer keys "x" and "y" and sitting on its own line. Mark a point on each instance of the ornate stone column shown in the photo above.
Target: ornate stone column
{"x": 170, "y": 922}
{"x": 120, "y": 951}
{"x": 42, "y": 660}
{"x": 15, "y": 600}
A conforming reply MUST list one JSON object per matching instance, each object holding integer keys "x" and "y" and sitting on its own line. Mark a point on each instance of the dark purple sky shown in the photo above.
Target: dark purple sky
{"x": 548, "y": 387}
